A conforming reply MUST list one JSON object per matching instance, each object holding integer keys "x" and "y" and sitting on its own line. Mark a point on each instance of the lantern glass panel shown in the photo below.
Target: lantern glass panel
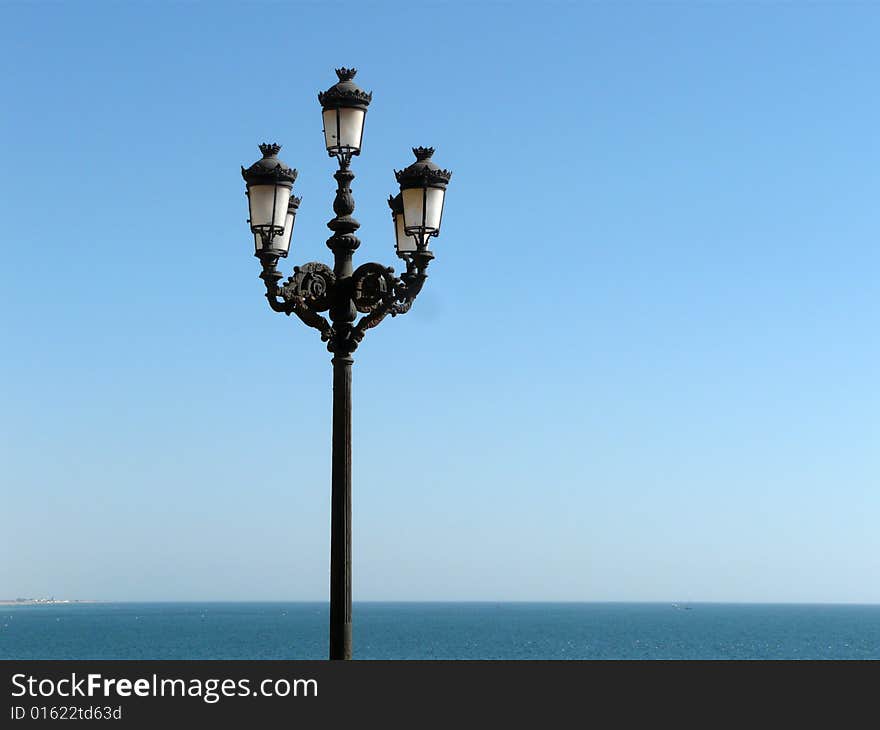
{"x": 404, "y": 243}
{"x": 423, "y": 209}
{"x": 268, "y": 205}
{"x": 344, "y": 128}
{"x": 283, "y": 241}
{"x": 279, "y": 243}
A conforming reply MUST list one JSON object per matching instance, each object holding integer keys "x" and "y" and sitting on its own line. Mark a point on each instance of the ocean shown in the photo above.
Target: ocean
{"x": 442, "y": 631}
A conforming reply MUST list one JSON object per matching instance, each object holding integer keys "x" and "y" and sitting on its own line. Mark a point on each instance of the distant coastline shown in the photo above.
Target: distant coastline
{"x": 39, "y": 601}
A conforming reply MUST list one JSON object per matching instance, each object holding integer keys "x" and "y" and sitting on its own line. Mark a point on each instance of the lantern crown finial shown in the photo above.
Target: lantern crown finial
{"x": 270, "y": 149}
{"x": 346, "y": 74}
{"x": 423, "y": 153}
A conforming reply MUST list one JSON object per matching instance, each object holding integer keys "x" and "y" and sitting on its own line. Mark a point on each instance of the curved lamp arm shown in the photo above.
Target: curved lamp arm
{"x": 302, "y": 295}
{"x": 378, "y": 293}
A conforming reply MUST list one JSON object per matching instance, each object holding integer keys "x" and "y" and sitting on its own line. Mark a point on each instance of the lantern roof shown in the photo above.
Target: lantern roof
{"x": 423, "y": 172}
{"x": 269, "y": 169}
{"x": 345, "y": 93}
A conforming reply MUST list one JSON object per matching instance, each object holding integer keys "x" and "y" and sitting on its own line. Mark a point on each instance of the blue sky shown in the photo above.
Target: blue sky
{"x": 644, "y": 366}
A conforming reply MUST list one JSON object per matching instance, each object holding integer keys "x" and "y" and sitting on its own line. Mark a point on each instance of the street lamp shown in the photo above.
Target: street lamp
{"x": 371, "y": 289}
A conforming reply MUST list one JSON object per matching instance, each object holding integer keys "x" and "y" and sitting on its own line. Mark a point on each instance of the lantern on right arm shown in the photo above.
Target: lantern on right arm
{"x": 423, "y": 190}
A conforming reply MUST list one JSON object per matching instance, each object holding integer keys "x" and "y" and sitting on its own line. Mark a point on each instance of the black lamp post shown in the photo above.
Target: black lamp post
{"x": 371, "y": 289}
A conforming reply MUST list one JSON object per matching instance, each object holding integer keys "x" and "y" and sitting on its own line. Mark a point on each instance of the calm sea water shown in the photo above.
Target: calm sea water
{"x": 442, "y": 631}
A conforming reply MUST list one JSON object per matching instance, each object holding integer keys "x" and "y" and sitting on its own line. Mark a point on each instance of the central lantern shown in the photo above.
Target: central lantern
{"x": 344, "y": 108}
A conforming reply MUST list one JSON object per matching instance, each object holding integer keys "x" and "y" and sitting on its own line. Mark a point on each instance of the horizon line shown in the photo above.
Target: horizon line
{"x": 70, "y": 601}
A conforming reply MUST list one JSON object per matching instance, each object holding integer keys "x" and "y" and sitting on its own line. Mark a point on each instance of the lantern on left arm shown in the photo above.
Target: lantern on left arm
{"x": 271, "y": 206}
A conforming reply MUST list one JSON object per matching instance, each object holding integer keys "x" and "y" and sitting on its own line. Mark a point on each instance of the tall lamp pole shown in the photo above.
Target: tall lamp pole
{"x": 371, "y": 289}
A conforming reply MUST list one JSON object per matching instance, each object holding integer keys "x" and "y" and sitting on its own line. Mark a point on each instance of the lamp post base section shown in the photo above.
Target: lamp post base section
{"x": 340, "y": 517}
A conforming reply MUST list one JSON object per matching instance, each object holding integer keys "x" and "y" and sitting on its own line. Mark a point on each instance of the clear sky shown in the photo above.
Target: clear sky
{"x": 644, "y": 366}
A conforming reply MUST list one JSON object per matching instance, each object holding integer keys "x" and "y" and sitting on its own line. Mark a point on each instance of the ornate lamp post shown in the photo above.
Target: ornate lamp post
{"x": 371, "y": 289}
